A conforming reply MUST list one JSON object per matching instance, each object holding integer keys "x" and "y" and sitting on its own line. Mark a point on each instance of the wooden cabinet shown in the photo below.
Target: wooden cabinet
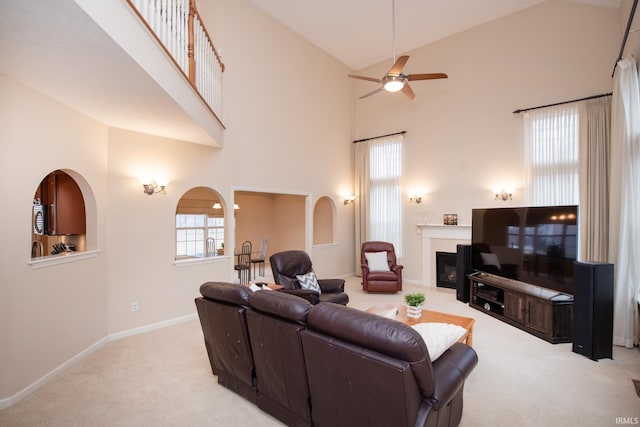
{"x": 516, "y": 307}
{"x": 63, "y": 205}
{"x": 540, "y": 311}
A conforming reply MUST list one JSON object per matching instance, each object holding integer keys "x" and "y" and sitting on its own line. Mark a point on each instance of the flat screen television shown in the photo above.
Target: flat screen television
{"x": 536, "y": 245}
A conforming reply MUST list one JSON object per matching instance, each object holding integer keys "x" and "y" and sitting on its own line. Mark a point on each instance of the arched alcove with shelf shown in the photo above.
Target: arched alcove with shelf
{"x": 63, "y": 215}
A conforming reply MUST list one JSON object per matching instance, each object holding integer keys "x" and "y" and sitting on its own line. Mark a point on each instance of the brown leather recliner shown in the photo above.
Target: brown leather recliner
{"x": 365, "y": 369}
{"x": 275, "y": 321}
{"x": 288, "y": 264}
{"x": 380, "y": 281}
{"x": 222, "y": 311}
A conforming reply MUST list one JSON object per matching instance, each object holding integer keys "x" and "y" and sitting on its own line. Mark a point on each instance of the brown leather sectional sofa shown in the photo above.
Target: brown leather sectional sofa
{"x": 327, "y": 364}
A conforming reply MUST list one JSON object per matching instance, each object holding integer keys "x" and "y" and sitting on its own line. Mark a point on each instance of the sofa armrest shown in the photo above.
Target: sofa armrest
{"x": 450, "y": 371}
{"x": 331, "y": 285}
{"x": 309, "y": 295}
{"x": 396, "y": 268}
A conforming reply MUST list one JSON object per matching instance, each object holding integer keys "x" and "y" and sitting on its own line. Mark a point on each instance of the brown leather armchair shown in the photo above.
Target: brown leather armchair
{"x": 289, "y": 264}
{"x": 380, "y": 281}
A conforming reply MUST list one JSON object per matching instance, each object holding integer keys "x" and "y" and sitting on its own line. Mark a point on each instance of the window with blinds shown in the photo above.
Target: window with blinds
{"x": 552, "y": 146}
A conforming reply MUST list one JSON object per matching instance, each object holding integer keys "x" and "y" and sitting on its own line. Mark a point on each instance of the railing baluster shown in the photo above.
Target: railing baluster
{"x": 176, "y": 24}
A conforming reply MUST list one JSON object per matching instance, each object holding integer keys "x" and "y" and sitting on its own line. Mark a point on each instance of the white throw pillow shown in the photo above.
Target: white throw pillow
{"x": 439, "y": 336}
{"x": 309, "y": 281}
{"x": 377, "y": 261}
{"x": 490, "y": 259}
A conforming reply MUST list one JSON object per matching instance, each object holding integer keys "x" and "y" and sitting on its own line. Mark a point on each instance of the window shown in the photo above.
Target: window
{"x": 552, "y": 144}
{"x": 199, "y": 224}
{"x": 192, "y": 232}
{"x": 385, "y": 192}
{"x": 215, "y": 230}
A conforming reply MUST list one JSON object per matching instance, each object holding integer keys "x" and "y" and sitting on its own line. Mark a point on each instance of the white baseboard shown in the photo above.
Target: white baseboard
{"x": 12, "y": 400}
{"x": 152, "y": 326}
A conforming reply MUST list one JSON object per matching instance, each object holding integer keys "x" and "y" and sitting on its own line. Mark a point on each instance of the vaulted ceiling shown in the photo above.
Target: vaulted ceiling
{"x": 359, "y": 33}
{"x": 51, "y": 44}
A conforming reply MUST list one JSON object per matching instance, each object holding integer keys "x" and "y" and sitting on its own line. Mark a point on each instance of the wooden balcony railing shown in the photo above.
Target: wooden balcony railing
{"x": 177, "y": 25}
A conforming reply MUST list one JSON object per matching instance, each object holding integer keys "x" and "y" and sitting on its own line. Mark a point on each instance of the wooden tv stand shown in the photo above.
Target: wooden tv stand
{"x": 543, "y": 312}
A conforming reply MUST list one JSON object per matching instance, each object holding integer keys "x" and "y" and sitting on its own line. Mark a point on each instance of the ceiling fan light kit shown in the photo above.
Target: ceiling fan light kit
{"x": 395, "y": 80}
{"x": 393, "y": 83}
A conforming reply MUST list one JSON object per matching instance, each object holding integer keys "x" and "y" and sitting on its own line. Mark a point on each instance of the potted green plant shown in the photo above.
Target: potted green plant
{"x": 221, "y": 249}
{"x": 414, "y": 304}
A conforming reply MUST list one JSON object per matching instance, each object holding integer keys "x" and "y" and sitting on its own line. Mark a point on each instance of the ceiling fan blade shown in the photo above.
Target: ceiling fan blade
{"x": 371, "y": 79}
{"x": 399, "y": 65}
{"x": 426, "y": 76}
{"x": 373, "y": 92}
{"x": 406, "y": 89}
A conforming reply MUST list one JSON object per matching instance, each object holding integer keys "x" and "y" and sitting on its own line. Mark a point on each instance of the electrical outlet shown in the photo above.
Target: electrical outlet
{"x": 134, "y": 306}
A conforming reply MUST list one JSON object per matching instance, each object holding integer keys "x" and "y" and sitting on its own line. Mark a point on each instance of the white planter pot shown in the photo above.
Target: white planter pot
{"x": 414, "y": 312}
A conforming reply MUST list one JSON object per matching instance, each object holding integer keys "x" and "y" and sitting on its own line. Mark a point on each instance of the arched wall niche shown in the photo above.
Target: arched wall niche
{"x": 64, "y": 215}
{"x": 324, "y": 214}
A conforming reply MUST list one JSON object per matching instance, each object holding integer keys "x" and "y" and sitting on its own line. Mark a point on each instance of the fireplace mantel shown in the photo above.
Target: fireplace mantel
{"x": 461, "y": 233}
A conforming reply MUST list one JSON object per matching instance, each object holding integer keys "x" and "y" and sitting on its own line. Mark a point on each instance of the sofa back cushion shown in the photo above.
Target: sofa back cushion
{"x": 230, "y": 293}
{"x": 364, "y": 369}
{"x": 222, "y": 312}
{"x": 275, "y": 322}
{"x": 282, "y": 305}
{"x": 377, "y": 333}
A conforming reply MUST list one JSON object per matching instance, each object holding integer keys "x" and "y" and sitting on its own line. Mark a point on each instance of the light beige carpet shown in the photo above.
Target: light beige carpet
{"x": 163, "y": 378}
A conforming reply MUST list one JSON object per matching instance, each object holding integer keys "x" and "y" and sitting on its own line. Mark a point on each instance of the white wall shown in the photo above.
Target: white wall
{"x": 293, "y": 137}
{"x": 462, "y": 139}
{"x": 47, "y": 315}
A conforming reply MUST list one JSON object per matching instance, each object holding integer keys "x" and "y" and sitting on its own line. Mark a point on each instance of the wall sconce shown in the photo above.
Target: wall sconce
{"x": 416, "y": 198}
{"x": 235, "y": 207}
{"x": 154, "y": 187}
{"x": 349, "y": 199}
{"x": 504, "y": 196}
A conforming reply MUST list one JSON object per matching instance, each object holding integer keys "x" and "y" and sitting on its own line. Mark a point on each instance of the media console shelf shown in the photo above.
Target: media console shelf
{"x": 542, "y": 312}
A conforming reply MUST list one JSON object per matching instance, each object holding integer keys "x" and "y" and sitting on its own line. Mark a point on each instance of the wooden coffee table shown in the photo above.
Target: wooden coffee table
{"x": 428, "y": 316}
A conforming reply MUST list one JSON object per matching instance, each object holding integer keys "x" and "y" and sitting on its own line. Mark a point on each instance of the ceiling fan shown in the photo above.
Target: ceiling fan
{"x": 395, "y": 80}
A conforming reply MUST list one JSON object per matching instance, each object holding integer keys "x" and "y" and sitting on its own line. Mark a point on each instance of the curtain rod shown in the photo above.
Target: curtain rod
{"x": 381, "y": 136}
{"x": 626, "y": 35}
{"x": 522, "y": 110}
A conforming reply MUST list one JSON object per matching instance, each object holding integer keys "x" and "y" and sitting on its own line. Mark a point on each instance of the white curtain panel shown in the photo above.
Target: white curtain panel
{"x": 595, "y": 159}
{"x": 625, "y": 204}
{"x": 361, "y": 205}
{"x": 551, "y": 148}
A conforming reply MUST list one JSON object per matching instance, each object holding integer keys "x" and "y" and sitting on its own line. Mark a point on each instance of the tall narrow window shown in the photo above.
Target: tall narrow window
{"x": 552, "y": 146}
{"x": 190, "y": 232}
{"x": 379, "y": 171}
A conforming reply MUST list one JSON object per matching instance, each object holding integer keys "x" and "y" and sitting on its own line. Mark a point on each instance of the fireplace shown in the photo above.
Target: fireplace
{"x": 446, "y": 269}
